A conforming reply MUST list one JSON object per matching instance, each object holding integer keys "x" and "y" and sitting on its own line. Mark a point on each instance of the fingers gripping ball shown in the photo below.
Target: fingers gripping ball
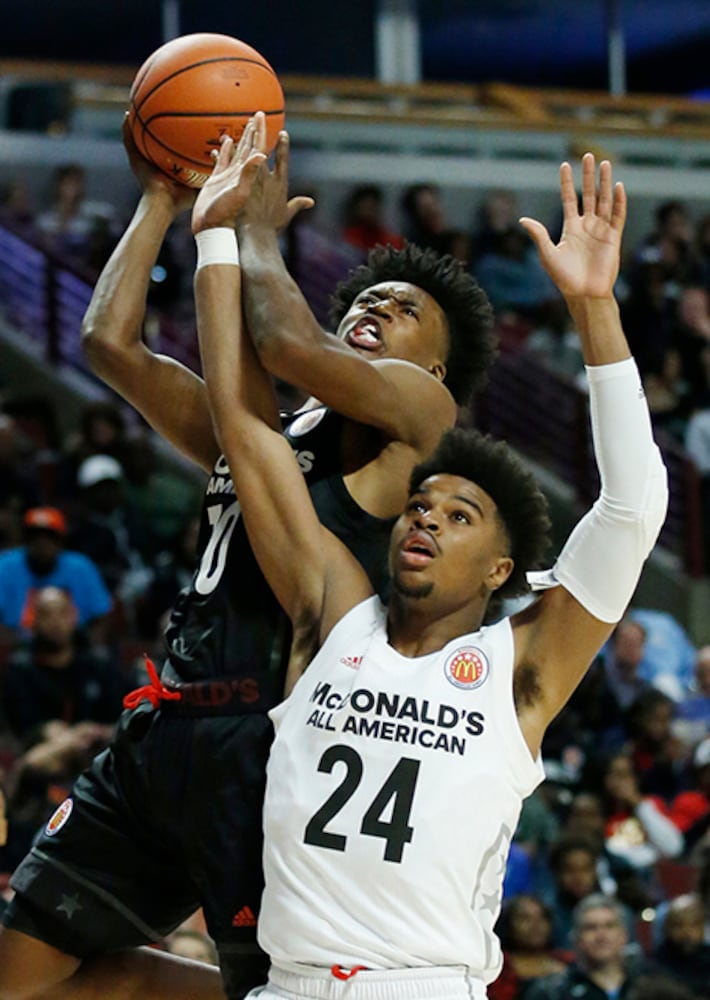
{"x": 192, "y": 91}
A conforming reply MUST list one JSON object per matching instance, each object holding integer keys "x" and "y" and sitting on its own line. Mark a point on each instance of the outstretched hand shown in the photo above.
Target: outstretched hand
{"x": 240, "y": 177}
{"x": 269, "y": 204}
{"x": 226, "y": 190}
{"x": 151, "y": 179}
{"x": 586, "y": 260}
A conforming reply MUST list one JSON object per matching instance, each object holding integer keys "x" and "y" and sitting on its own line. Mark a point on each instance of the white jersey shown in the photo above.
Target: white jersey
{"x": 394, "y": 788}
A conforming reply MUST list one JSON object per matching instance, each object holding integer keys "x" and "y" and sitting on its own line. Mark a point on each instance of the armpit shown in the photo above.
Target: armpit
{"x": 526, "y": 687}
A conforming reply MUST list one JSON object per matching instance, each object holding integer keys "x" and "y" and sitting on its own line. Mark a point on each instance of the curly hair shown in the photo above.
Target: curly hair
{"x": 469, "y": 314}
{"x": 521, "y": 505}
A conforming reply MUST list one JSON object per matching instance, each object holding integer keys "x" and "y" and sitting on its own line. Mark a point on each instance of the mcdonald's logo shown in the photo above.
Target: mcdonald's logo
{"x": 467, "y": 667}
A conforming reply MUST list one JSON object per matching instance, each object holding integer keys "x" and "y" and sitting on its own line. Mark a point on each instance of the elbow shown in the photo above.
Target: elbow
{"x": 100, "y": 355}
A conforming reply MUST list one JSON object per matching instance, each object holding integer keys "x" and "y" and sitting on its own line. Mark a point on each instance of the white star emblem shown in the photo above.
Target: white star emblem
{"x": 69, "y": 905}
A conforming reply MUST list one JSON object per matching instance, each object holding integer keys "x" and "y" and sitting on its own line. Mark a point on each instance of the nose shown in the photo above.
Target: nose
{"x": 380, "y": 308}
{"x": 426, "y": 521}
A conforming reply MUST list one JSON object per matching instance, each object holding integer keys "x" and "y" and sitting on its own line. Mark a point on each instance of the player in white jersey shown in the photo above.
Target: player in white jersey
{"x": 404, "y": 751}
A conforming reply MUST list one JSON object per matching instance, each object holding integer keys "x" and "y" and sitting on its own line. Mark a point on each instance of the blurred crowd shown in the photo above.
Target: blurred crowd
{"x": 608, "y": 879}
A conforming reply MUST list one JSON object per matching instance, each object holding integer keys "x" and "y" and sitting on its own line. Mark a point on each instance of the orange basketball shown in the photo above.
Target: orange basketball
{"x": 192, "y": 91}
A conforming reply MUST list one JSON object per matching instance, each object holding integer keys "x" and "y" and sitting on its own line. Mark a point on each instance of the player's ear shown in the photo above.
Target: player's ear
{"x": 438, "y": 370}
{"x": 499, "y": 572}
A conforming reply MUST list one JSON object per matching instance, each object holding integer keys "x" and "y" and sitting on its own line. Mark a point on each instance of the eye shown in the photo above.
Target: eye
{"x": 416, "y": 507}
{"x": 461, "y": 517}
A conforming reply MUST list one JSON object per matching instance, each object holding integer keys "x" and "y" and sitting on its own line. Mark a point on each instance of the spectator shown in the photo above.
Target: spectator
{"x": 41, "y": 779}
{"x": 424, "y": 215}
{"x": 671, "y": 242}
{"x": 622, "y": 662}
{"x": 102, "y": 431}
{"x": 16, "y": 208}
{"x": 525, "y": 931}
{"x": 42, "y": 562}
{"x": 649, "y": 311}
{"x": 658, "y": 755}
{"x": 654, "y": 987}
{"x": 668, "y": 657}
{"x": 573, "y": 866}
{"x": 55, "y": 675}
{"x": 364, "y": 226}
{"x": 515, "y": 281}
{"x": 602, "y": 968}
{"x": 615, "y": 876}
{"x": 498, "y": 212}
{"x": 690, "y": 809}
{"x": 71, "y": 223}
{"x": 683, "y": 954}
{"x": 693, "y": 713}
{"x": 668, "y": 393}
{"x": 105, "y": 527}
{"x": 638, "y": 828}
{"x": 691, "y": 336}
{"x": 19, "y": 480}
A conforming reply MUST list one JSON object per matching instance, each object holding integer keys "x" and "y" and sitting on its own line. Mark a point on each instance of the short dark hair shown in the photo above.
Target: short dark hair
{"x": 469, "y": 314}
{"x": 504, "y": 925}
{"x": 521, "y": 505}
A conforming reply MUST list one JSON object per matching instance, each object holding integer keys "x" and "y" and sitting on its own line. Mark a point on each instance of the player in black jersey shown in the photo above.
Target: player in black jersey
{"x": 169, "y": 818}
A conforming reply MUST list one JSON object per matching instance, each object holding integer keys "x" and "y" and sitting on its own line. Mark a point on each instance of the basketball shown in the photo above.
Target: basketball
{"x": 192, "y": 91}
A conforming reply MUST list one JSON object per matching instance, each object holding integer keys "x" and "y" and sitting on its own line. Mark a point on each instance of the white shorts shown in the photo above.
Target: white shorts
{"x": 310, "y": 982}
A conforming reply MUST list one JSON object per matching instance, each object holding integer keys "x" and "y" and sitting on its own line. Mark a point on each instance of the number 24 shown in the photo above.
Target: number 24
{"x": 399, "y": 786}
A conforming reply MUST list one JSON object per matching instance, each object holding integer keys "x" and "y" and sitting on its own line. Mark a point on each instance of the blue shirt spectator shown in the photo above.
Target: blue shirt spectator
{"x": 43, "y": 562}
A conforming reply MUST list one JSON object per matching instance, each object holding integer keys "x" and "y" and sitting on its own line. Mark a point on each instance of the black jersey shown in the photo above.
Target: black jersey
{"x": 227, "y": 623}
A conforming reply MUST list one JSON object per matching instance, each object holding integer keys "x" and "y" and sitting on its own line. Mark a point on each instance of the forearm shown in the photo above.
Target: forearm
{"x": 114, "y": 320}
{"x": 603, "y": 557}
{"x": 277, "y": 315}
{"x": 661, "y": 831}
{"x": 237, "y": 387}
{"x": 598, "y": 324}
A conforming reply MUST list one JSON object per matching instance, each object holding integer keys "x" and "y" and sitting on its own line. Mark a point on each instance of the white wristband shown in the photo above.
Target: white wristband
{"x": 217, "y": 246}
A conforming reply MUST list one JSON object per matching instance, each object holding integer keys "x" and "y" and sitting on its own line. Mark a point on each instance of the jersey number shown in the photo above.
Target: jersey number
{"x": 223, "y": 521}
{"x": 399, "y": 787}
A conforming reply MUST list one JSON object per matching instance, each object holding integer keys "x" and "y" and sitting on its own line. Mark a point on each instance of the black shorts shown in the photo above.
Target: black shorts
{"x": 166, "y": 820}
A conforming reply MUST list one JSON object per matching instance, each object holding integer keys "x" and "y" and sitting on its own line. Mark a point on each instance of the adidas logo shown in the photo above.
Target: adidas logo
{"x": 351, "y": 661}
{"x": 244, "y": 918}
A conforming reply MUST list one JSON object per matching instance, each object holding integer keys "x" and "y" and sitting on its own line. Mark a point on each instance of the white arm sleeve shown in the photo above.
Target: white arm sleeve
{"x": 601, "y": 561}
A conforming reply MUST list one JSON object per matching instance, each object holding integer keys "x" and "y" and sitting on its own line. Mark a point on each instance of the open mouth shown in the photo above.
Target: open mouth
{"x": 418, "y": 549}
{"x": 365, "y": 335}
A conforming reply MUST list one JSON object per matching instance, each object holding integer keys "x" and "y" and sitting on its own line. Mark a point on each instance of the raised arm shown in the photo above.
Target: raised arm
{"x": 597, "y": 571}
{"x": 167, "y": 394}
{"x": 313, "y": 575}
{"x": 404, "y": 401}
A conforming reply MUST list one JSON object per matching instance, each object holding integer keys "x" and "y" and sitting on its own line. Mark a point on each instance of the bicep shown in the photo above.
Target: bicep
{"x": 558, "y": 638}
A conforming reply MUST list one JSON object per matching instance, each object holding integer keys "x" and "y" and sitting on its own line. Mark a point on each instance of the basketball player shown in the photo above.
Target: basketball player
{"x": 403, "y": 753}
{"x": 169, "y": 818}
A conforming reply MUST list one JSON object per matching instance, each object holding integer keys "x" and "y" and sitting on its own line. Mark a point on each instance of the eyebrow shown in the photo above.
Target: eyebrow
{"x": 456, "y": 496}
{"x": 391, "y": 293}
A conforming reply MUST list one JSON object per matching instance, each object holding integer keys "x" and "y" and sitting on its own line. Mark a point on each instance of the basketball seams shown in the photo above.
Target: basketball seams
{"x": 195, "y": 65}
{"x": 175, "y": 94}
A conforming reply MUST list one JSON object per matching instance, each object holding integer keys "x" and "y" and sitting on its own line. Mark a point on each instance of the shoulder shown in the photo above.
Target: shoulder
{"x": 11, "y": 558}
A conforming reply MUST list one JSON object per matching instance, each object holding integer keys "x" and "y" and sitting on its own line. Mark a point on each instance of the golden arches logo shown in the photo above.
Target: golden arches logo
{"x": 467, "y": 667}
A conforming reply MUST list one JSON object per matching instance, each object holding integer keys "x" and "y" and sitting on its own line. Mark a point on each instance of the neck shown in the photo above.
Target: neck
{"x": 56, "y": 659}
{"x": 608, "y": 977}
{"x": 415, "y": 627}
